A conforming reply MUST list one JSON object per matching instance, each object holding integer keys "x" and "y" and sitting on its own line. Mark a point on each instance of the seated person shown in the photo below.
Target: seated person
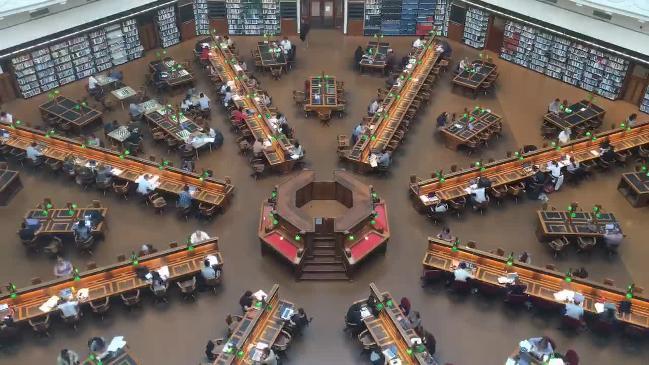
{"x": 299, "y": 320}
{"x": 252, "y": 82}
{"x": 208, "y": 272}
{"x": 555, "y": 106}
{"x": 298, "y": 151}
{"x": 257, "y": 148}
{"x": 538, "y": 348}
{"x": 574, "y": 309}
{"x": 405, "y": 305}
{"x": 534, "y": 184}
{"x": 93, "y": 86}
{"x": 144, "y": 185}
{"x": 373, "y": 107}
{"x": 104, "y": 175}
{"x": 286, "y": 45}
{"x": 265, "y": 99}
{"x": 385, "y": 159}
{"x": 211, "y": 352}
{"x": 81, "y": 231}
{"x": 6, "y": 118}
{"x": 97, "y": 345}
{"x": 525, "y": 258}
{"x": 608, "y": 154}
{"x": 93, "y": 140}
{"x": 632, "y": 120}
{"x": 609, "y": 315}
{"x": 204, "y": 54}
{"x": 69, "y": 309}
{"x": 574, "y": 169}
{"x": 158, "y": 284}
{"x": 357, "y": 133}
{"x": 613, "y": 238}
{"x": 135, "y": 137}
{"x": 67, "y": 357}
{"x": 415, "y": 319}
{"x": 358, "y": 56}
{"x": 286, "y": 130}
{"x": 441, "y": 120}
{"x": 419, "y": 42}
{"x": 227, "y": 98}
{"x": 353, "y": 316}
{"x": 109, "y": 127}
{"x": 430, "y": 343}
{"x": 116, "y": 74}
{"x": 462, "y": 272}
{"x": 376, "y": 356}
{"x": 62, "y": 267}
{"x": 33, "y": 153}
{"x": 27, "y": 232}
{"x": 564, "y": 136}
{"x": 445, "y": 234}
{"x": 478, "y": 195}
{"x": 238, "y": 115}
{"x": 246, "y": 300}
{"x": 184, "y": 198}
{"x": 268, "y": 357}
{"x": 516, "y": 287}
{"x": 204, "y": 102}
{"x": 186, "y": 104}
{"x": 464, "y": 63}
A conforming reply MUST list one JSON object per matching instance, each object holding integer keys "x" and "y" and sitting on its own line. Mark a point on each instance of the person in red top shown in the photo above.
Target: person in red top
{"x": 205, "y": 54}
{"x": 238, "y": 116}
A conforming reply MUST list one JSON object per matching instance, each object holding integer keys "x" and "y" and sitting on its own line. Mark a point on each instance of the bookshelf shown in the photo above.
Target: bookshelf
{"x": 201, "y": 19}
{"x": 405, "y": 17}
{"x": 115, "y": 40}
{"x": 644, "y": 106}
{"x": 253, "y": 17}
{"x": 568, "y": 61}
{"x": 409, "y": 14}
{"x": 372, "y": 24}
{"x": 63, "y": 63}
{"x": 84, "y": 64}
{"x": 440, "y": 17}
{"x": 391, "y": 17}
{"x": 26, "y": 75}
{"x": 167, "y": 27}
{"x": 475, "y": 28}
{"x": 100, "y": 50}
{"x": 132, "y": 44}
{"x": 45, "y": 71}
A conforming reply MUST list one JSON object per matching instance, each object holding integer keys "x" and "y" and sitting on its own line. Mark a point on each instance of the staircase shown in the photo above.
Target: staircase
{"x": 324, "y": 262}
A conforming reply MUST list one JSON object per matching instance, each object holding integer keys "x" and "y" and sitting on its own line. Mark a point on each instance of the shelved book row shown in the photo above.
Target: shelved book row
{"x": 405, "y": 17}
{"x": 572, "y": 62}
{"x": 644, "y": 106}
{"x": 76, "y": 58}
{"x": 201, "y": 18}
{"x": 253, "y": 17}
{"x": 475, "y": 27}
{"x": 167, "y": 27}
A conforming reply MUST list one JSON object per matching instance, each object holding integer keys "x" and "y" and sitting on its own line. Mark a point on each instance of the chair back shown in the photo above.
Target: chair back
{"x": 571, "y": 357}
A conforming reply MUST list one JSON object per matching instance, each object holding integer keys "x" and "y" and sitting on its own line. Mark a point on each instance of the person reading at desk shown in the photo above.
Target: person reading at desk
{"x": 33, "y": 152}
{"x": 208, "y": 272}
{"x": 227, "y": 97}
{"x": 93, "y": 86}
{"x": 574, "y": 309}
{"x": 607, "y": 152}
{"x": 93, "y": 140}
{"x": 478, "y": 195}
{"x": 285, "y": 129}
{"x": 97, "y": 345}
{"x": 81, "y": 231}
{"x": 184, "y": 198}
{"x": 462, "y": 272}
{"x": 555, "y": 106}
{"x": 356, "y": 133}
{"x": 186, "y": 104}
{"x": 69, "y": 308}
{"x": 298, "y": 321}
{"x": 144, "y": 185}
{"x": 564, "y": 136}
{"x": 376, "y": 356}
{"x": 6, "y": 118}
{"x": 419, "y": 42}
{"x": 632, "y": 120}
{"x": 385, "y": 159}
{"x": 246, "y": 301}
{"x": 613, "y": 238}
{"x": 268, "y": 357}
{"x": 534, "y": 184}
{"x": 609, "y": 314}
{"x": 203, "y": 102}
{"x": 62, "y": 267}
{"x": 373, "y": 107}
{"x": 536, "y": 347}
{"x": 298, "y": 151}
{"x": 239, "y": 116}
{"x": 445, "y": 234}
{"x": 257, "y": 148}
{"x": 516, "y": 287}
{"x": 353, "y": 318}
{"x": 67, "y": 357}
{"x": 575, "y": 170}
{"x": 286, "y": 45}
{"x": 391, "y": 81}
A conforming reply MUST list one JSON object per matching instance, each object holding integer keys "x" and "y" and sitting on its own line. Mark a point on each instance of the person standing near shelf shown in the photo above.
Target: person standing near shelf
{"x": 304, "y": 30}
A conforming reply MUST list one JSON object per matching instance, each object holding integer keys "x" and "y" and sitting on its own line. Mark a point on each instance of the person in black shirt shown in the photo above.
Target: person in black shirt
{"x": 390, "y": 62}
{"x": 304, "y": 30}
{"x": 430, "y": 342}
{"x": 246, "y": 300}
{"x": 516, "y": 288}
{"x": 358, "y": 56}
{"x": 441, "y": 120}
{"x": 353, "y": 317}
{"x": 534, "y": 184}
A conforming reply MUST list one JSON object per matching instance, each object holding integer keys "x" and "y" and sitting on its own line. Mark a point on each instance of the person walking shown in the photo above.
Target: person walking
{"x": 304, "y": 30}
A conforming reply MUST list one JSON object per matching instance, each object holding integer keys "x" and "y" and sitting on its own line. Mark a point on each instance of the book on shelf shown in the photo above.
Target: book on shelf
{"x": 167, "y": 27}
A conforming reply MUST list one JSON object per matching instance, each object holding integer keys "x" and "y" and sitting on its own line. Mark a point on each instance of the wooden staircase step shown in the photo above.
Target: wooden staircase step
{"x": 329, "y": 276}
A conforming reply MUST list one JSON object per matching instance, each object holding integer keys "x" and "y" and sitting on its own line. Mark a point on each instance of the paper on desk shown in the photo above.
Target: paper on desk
{"x": 595, "y": 153}
{"x": 295, "y": 157}
{"x": 599, "y": 307}
{"x": 164, "y": 272}
{"x": 395, "y": 361}
{"x": 365, "y": 312}
{"x": 267, "y": 143}
{"x": 505, "y": 280}
{"x": 237, "y": 68}
{"x": 236, "y": 97}
{"x": 49, "y": 304}
{"x": 256, "y": 356}
{"x": 373, "y": 159}
{"x": 212, "y": 259}
{"x": 261, "y": 345}
{"x": 425, "y": 199}
{"x": 260, "y": 295}
{"x": 116, "y": 343}
{"x": 83, "y": 294}
{"x": 192, "y": 190}
{"x": 510, "y": 361}
{"x": 565, "y": 295}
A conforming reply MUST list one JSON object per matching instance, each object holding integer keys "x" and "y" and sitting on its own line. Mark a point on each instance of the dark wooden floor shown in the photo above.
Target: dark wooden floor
{"x": 471, "y": 331}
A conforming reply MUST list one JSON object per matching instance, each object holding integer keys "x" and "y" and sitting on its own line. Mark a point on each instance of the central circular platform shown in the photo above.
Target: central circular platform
{"x": 324, "y": 229}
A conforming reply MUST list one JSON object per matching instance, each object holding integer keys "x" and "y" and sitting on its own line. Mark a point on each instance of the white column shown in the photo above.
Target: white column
{"x": 299, "y": 16}
{"x": 345, "y": 5}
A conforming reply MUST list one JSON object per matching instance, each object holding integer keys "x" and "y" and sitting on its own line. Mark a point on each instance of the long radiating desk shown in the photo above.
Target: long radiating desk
{"x": 279, "y": 153}
{"x": 61, "y": 221}
{"x": 261, "y": 324}
{"x": 393, "y": 108}
{"x": 541, "y": 283}
{"x": 172, "y": 180}
{"x": 10, "y": 184}
{"x": 467, "y": 127}
{"x": 392, "y": 331}
{"x": 635, "y": 188}
{"x": 516, "y": 168}
{"x": 113, "y": 280}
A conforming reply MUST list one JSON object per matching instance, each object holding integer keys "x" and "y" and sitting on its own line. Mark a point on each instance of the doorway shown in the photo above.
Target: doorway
{"x": 324, "y": 13}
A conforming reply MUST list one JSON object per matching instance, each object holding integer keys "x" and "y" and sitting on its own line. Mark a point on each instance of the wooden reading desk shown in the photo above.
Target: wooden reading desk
{"x": 69, "y": 111}
{"x": 322, "y": 94}
{"x": 392, "y": 331}
{"x": 176, "y": 126}
{"x": 541, "y": 283}
{"x": 459, "y": 133}
{"x": 178, "y": 75}
{"x": 122, "y": 357}
{"x": 554, "y": 224}
{"x": 127, "y": 168}
{"x": 635, "y": 188}
{"x": 261, "y": 324}
{"x": 374, "y": 57}
{"x": 581, "y": 113}
{"x": 510, "y": 170}
{"x": 280, "y": 151}
{"x": 60, "y": 222}
{"x": 268, "y": 57}
{"x": 393, "y": 109}
{"x": 10, "y": 184}
{"x": 113, "y": 280}
{"x": 473, "y": 78}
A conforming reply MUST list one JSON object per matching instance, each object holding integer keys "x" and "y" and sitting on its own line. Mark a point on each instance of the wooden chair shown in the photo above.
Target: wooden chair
{"x": 458, "y": 205}
{"x": 122, "y": 189}
{"x": 498, "y": 193}
{"x": 158, "y": 202}
{"x": 516, "y": 190}
{"x": 324, "y": 116}
{"x": 276, "y": 72}
{"x": 586, "y": 244}
{"x": 131, "y": 299}
{"x": 188, "y": 288}
{"x": 41, "y": 325}
{"x": 206, "y": 210}
{"x": 100, "y": 307}
{"x": 557, "y": 245}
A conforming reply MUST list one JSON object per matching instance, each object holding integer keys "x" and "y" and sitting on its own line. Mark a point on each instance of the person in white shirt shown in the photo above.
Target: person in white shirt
{"x": 68, "y": 309}
{"x": 298, "y": 151}
{"x": 204, "y": 102}
{"x": 478, "y": 195}
{"x": 268, "y": 357}
{"x": 286, "y": 45}
{"x": 555, "y": 172}
{"x": 257, "y": 148}
{"x": 540, "y": 346}
{"x": 33, "y": 153}
{"x": 555, "y": 106}
{"x": 144, "y": 185}
{"x": 265, "y": 99}
{"x": 6, "y": 118}
{"x": 228, "y": 96}
{"x": 564, "y": 136}
{"x": 418, "y": 43}
{"x": 462, "y": 273}
{"x": 633, "y": 119}
{"x": 374, "y": 106}
{"x": 464, "y": 63}
{"x": 186, "y": 105}
{"x": 92, "y": 82}
{"x": 574, "y": 310}
{"x": 228, "y": 41}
